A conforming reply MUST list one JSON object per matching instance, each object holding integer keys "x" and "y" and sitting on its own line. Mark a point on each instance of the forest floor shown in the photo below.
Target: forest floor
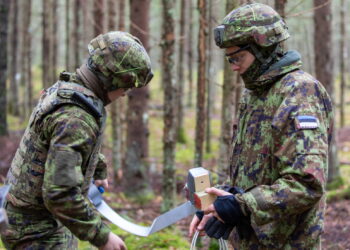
{"x": 337, "y": 222}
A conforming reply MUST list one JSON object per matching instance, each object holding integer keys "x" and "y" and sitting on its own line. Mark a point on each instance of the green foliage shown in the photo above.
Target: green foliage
{"x": 338, "y": 194}
{"x": 335, "y": 184}
{"x": 184, "y": 154}
{"x": 214, "y": 245}
{"x": 143, "y": 198}
{"x": 181, "y": 136}
{"x": 170, "y": 238}
{"x": 339, "y": 189}
{"x": 15, "y": 123}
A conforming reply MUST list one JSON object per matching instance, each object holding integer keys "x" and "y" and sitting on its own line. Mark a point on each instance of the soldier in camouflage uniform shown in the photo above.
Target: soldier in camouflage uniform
{"x": 59, "y": 154}
{"x": 279, "y": 162}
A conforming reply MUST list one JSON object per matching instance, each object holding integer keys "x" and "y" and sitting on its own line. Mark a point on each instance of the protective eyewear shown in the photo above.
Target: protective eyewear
{"x": 234, "y": 58}
{"x": 145, "y": 81}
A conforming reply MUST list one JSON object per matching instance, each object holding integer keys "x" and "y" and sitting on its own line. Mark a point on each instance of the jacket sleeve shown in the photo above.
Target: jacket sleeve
{"x": 101, "y": 168}
{"x": 72, "y": 134}
{"x": 301, "y": 155}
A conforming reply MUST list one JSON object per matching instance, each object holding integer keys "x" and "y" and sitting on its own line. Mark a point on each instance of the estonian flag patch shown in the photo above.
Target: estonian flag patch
{"x": 306, "y": 122}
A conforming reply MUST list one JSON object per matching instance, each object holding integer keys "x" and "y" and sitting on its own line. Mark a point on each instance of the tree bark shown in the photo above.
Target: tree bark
{"x": 201, "y": 88}
{"x": 180, "y": 73}
{"x": 170, "y": 90}
{"x": 111, "y": 15}
{"x": 280, "y": 7}
{"x": 13, "y": 102}
{"x": 137, "y": 118}
{"x": 76, "y": 37}
{"x": 99, "y": 26}
{"x": 115, "y": 114}
{"x": 67, "y": 32}
{"x": 343, "y": 60}
{"x": 121, "y": 20}
{"x": 4, "y": 21}
{"x": 210, "y": 75}
{"x": 324, "y": 67}
{"x": 87, "y": 23}
{"x": 54, "y": 39}
{"x": 26, "y": 57}
{"x": 190, "y": 53}
{"x": 46, "y": 44}
{"x": 227, "y": 111}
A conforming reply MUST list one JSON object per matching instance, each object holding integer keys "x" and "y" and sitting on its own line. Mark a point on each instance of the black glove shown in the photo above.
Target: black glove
{"x": 216, "y": 229}
{"x": 228, "y": 209}
{"x": 230, "y": 212}
{"x": 200, "y": 214}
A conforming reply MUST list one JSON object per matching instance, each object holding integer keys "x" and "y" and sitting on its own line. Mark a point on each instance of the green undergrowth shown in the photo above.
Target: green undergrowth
{"x": 339, "y": 189}
{"x": 170, "y": 238}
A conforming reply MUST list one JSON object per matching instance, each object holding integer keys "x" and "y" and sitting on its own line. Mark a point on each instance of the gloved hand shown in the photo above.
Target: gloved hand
{"x": 215, "y": 228}
{"x": 228, "y": 209}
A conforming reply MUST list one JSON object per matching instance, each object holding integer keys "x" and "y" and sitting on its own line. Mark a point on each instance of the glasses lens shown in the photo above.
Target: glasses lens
{"x": 235, "y": 59}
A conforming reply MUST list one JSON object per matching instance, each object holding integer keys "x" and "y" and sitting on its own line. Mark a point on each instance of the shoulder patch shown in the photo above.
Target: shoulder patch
{"x": 306, "y": 122}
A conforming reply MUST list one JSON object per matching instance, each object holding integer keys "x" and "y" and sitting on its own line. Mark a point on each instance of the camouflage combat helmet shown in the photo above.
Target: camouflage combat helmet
{"x": 253, "y": 23}
{"x": 120, "y": 60}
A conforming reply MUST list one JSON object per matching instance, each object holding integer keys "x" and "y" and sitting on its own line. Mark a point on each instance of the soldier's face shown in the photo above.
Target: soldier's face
{"x": 239, "y": 59}
{"x": 115, "y": 94}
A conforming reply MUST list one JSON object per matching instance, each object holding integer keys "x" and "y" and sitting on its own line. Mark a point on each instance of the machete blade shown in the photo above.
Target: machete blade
{"x": 159, "y": 223}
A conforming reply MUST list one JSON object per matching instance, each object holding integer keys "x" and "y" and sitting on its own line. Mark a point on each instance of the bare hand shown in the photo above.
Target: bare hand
{"x": 113, "y": 243}
{"x": 103, "y": 183}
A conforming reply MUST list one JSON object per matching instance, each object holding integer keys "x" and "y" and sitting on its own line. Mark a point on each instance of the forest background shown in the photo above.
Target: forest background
{"x": 194, "y": 92}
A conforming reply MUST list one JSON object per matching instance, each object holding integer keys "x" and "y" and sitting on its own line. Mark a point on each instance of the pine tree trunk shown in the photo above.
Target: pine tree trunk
{"x": 201, "y": 82}
{"x": 13, "y": 101}
{"x": 26, "y": 57}
{"x": 4, "y": 21}
{"x": 111, "y": 15}
{"x": 324, "y": 68}
{"x": 121, "y": 20}
{"x": 76, "y": 33}
{"x": 210, "y": 76}
{"x": 180, "y": 73}
{"x": 170, "y": 90}
{"x": 46, "y": 42}
{"x": 190, "y": 53}
{"x": 115, "y": 115}
{"x": 67, "y": 33}
{"x": 227, "y": 111}
{"x": 343, "y": 60}
{"x": 54, "y": 41}
{"x": 280, "y": 7}
{"x": 86, "y": 34}
{"x": 137, "y": 118}
{"x": 99, "y": 26}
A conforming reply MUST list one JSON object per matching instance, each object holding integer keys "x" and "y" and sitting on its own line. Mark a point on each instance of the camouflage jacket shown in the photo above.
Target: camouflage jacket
{"x": 280, "y": 158}
{"x": 50, "y": 172}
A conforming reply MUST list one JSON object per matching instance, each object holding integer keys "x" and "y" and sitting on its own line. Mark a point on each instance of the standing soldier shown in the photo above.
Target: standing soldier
{"x": 59, "y": 153}
{"x": 280, "y": 146}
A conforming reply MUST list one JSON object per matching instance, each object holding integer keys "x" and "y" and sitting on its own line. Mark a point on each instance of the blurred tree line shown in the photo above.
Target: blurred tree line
{"x": 48, "y": 36}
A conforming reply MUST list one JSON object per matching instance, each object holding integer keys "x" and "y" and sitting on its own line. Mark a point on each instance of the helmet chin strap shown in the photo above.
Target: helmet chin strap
{"x": 93, "y": 83}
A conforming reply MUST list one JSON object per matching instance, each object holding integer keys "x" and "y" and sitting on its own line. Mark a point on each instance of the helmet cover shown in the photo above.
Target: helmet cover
{"x": 253, "y": 23}
{"x": 120, "y": 60}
